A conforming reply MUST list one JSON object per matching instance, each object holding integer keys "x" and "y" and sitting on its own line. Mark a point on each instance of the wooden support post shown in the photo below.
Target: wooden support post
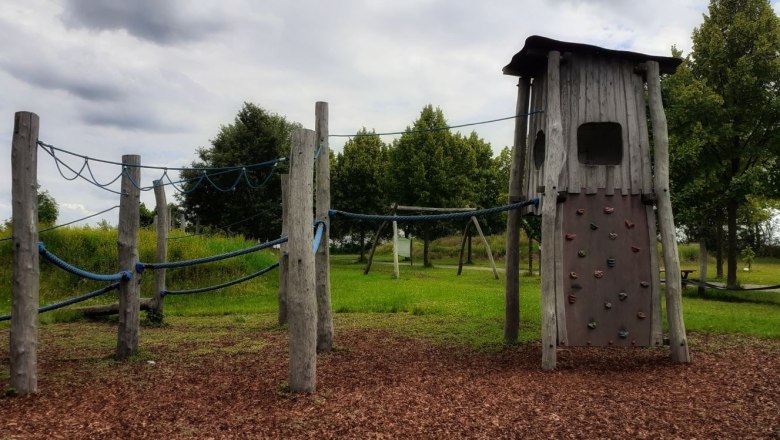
{"x": 322, "y": 259}
{"x": 487, "y": 246}
{"x": 373, "y": 246}
{"x": 555, "y": 157}
{"x": 469, "y": 255}
{"x": 162, "y": 245}
{"x": 24, "y": 296}
{"x": 284, "y": 260}
{"x": 396, "y": 270}
{"x": 129, "y": 290}
{"x": 301, "y": 294}
{"x": 677, "y": 339}
{"x": 512, "y": 287}
{"x": 463, "y": 246}
{"x": 702, "y": 265}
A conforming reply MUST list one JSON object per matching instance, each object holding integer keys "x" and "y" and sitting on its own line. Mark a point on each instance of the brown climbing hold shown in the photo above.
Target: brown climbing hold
{"x": 608, "y": 210}
{"x": 635, "y": 249}
{"x": 598, "y": 273}
{"x": 572, "y": 298}
{"x": 607, "y": 305}
{"x": 581, "y": 253}
{"x": 629, "y": 224}
{"x": 573, "y": 275}
{"x": 592, "y": 325}
{"x": 641, "y": 315}
{"x": 644, "y": 284}
{"x": 570, "y": 236}
{"x": 622, "y": 296}
{"x": 580, "y": 211}
{"x": 612, "y": 235}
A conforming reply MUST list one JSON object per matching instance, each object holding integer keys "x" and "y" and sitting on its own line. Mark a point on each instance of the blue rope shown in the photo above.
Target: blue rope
{"x": 139, "y": 267}
{"x": 435, "y": 217}
{"x": 321, "y": 226}
{"x": 220, "y": 286}
{"x": 427, "y": 130}
{"x": 124, "y": 275}
{"x": 319, "y": 150}
{"x": 70, "y": 301}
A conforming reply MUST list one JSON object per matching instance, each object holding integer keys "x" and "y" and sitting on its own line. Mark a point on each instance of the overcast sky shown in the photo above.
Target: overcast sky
{"x": 158, "y": 77}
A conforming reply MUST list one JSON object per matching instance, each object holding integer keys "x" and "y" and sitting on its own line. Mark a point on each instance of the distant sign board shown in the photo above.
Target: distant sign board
{"x": 404, "y": 247}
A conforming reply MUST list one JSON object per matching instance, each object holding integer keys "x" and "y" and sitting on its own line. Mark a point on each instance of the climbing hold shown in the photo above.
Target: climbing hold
{"x": 607, "y": 305}
{"x": 611, "y": 262}
{"x": 593, "y": 226}
{"x": 641, "y": 315}
{"x": 608, "y": 210}
{"x": 629, "y": 224}
{"x": 581, "y": 253}
{"x": 598, "y": 273}
{"x": 635, "y": 249}
{"x": 576, "y": 286}
{"x": 572, "y": 298}
{"x": 644, "y": 284}
{"x": 623, "y": 333}
{"x": 592, "y": 325}
{"x": 580, "y": 211}
{"x": 622, "y": 296}
{"x": 573, "y": 275}
{"x": 612, "y": 235}
{"x": 570, "y": 236}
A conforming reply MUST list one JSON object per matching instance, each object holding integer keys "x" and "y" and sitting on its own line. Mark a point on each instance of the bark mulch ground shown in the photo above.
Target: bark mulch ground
{"x": 377, "y": 384}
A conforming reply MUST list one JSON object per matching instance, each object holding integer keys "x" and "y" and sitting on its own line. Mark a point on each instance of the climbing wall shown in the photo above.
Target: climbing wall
{"x": 607, "y": 270}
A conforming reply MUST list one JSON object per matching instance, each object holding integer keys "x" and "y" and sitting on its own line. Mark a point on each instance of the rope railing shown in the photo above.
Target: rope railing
{"x": 140, "y": 266}
{"x": 320, "y": 229}
{"x": 57, "y": 261}
{"x": 220, "y": 286}
{"x": 70, "y": 301}
{"x": 434, "y": 217}
{"x": 427, "y": 130}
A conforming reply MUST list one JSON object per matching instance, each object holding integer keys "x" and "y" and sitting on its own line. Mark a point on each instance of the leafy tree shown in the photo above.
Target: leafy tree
{"x": 729, "y": 126}
{"x": 254, "y": 136}
{"x": 357, "y": 184}
{"x": 48, "y": 209}
{"x": 147, "y": 216}
{"x": 431, "y": 167}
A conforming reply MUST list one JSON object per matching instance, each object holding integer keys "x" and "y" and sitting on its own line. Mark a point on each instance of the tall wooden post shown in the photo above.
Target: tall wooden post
{"x": 284, "y": 260}
{"x": 162, "y": 245}
{"x": 396, "y": 271}
{"x": 129, "y": 290}
{"x": 24, "y": 297}
{"x": 512, "y": 288}
{"x": 322, "y": 259}
{"x": 555, "y": 157}
{"x": 301, "y": 294}
{"x": 678, "y": 341}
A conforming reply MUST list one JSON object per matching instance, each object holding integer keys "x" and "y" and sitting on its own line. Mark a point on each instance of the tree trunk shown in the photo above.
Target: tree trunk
{"x": 469, "y": 259}
{"x": 426, "y": 247}
{"x": 719, "y": 249}
{"x": 362, "y": 258}
{"x": 731, "y": 266}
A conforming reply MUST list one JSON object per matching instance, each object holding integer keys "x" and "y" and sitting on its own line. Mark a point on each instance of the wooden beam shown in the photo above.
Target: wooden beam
{"x": 487, "y": 246}
{"x": 463, "y": 246}
{"x": 512, "y": 286}
{"x": 322, "y": 258}
{"x": 554, "y": 159}
{"x": 301, "y": 296}
{"x": 162, "y": 245}
{"x": 677, "y": 339}
{"x": 129, "y": 290}
{"x": 24, "y": 297}
{"x": 145, "y": 304}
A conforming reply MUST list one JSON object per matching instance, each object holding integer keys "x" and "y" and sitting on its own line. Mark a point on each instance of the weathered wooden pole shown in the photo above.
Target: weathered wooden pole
{"x": 512, "y": 288}
{"x": 555, "y": 157}
{"x": 284, "y": 260}
{"x": 396, "y": 270}
{"x": 182, "y": 223}
{"x": 129, "y": 290}
{"x": 677, "y": 339}
{"x": 463, "y": 246}
{"x": 322, "y": 258}
{"x": 162, "y": 246}
{"x": 301, "y": 293}
{"x": 487, "y": 246}
{"x": 24, "y": 297}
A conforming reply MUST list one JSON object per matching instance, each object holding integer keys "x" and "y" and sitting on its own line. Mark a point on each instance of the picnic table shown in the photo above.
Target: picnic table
{"x": 684, "y": 274}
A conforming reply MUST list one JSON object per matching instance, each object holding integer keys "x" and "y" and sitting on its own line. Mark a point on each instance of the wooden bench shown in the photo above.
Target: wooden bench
{"x": 684, "y": 274}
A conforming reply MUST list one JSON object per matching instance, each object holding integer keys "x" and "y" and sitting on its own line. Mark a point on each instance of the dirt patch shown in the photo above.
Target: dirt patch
{"x": 378, "y": 384}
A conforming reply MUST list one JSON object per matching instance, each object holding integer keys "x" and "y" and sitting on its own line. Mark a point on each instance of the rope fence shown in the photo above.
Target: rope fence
{"x": 221, "y": 286}
{"x": 124, "y": 275}
{"x": 140, "y": 266}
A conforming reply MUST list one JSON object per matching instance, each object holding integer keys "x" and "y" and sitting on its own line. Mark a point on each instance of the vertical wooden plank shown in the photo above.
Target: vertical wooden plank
{"x": 516, "y": 178}
{"x": 127, "y": 243}
{"x": 643, "y": 160}
{"x": 592, "y": 114}
{"x": 678, "y": 341}
{"x": 575, "y": 100}
{"x": 162, "y": 245}
{"x": 656, "y": 323}
{"x": 624, "y": 120}
{"x": 396, "y": 271}
{"x": 487, "y": 246}
{"x": 23, "y": 336}
{"x": 322, "y": 258}
{"x": 301, "y": 294}
{"x": 563, "y": 180}
{"x": 555, "y": 158}
{"x": 284, "y": 258}
{"x": 632, "y": 161}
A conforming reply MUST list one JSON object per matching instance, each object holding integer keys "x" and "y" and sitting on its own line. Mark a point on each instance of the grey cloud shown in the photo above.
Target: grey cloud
{"x": 126, "y": 119}
{"x": 55, "y": 78}
{"x": 160, "y": 21}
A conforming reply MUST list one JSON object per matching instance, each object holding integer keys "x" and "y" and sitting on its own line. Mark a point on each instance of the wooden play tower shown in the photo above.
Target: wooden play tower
{"x": 603, "y": 188}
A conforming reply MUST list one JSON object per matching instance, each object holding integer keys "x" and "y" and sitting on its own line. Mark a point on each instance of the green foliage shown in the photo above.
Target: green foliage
{"x": 147, "y": 216}
{"x": 254, "y": 136}
{"x": 48, "y": 209}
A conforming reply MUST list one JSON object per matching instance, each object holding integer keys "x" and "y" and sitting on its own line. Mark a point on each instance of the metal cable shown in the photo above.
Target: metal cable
{"x": 220, "y": 286}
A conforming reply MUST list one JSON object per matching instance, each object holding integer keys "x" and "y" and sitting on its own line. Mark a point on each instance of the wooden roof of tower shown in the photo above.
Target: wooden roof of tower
{"x": 532, "y": 58}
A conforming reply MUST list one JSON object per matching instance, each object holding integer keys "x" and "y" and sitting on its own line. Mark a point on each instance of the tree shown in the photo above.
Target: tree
{"x": 48, "y": 209}
{"x": 430, "y": 167}
{"x": 357, "y": 184}
{"x": 254, "y": 136}
{"x": 147, "y": 216}
{"x": 733, "y": 136}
